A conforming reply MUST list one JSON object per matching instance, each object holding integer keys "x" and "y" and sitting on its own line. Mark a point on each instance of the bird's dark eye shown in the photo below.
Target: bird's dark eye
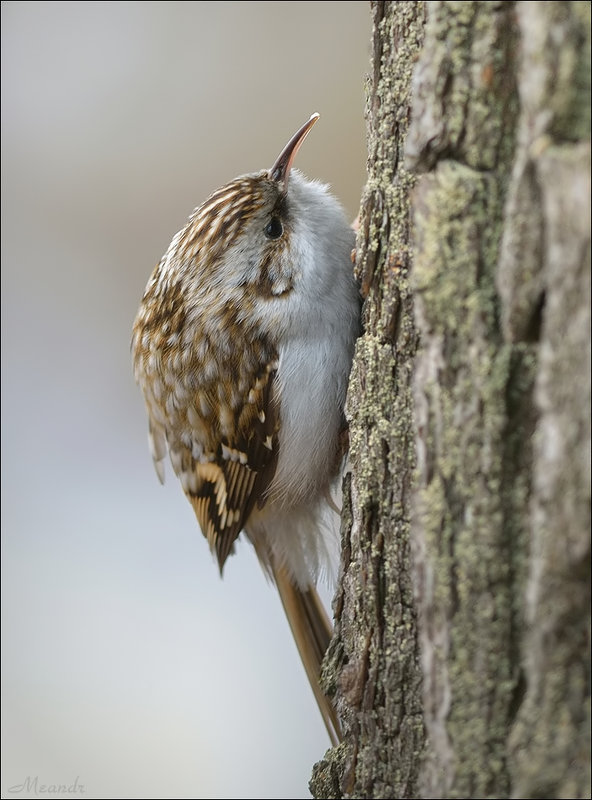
{"x": 274, "y": 228}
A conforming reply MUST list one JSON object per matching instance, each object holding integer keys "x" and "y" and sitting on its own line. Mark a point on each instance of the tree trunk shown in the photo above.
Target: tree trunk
{"x": 461, "y": 656}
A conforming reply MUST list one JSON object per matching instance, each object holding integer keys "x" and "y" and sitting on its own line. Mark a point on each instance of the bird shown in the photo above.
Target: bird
{"x": 242, "y": 348}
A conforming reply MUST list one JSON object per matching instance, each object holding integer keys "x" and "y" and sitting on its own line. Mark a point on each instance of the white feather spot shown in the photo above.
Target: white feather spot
{"x": 193, "y": 417}
{"x": 204, "y": 405}
{"x": 170, "y": 405}
{"x": 226, "y": 421}
{"x": 152, "y": 363}
{"x": 176, "y": 461}
{"x": 157, "y": 390}
{"x": 197, "y": 450}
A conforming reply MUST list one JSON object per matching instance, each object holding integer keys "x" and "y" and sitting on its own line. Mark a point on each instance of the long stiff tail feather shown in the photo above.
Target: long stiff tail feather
{"x": 312, "y": 632}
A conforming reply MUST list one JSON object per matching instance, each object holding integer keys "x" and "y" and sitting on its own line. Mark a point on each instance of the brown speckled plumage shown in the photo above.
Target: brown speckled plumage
{"x": 242, "y": 348}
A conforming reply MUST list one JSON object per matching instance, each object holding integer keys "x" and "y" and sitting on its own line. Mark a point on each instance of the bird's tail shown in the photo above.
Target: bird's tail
{"x": 312, "y": 632}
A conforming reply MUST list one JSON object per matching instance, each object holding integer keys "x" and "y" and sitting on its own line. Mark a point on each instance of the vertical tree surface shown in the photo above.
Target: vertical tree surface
{"x": 461, "y": 656}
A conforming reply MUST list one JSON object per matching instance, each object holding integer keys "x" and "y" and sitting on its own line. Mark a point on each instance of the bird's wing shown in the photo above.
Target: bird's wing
{"x": 233, "y": 475}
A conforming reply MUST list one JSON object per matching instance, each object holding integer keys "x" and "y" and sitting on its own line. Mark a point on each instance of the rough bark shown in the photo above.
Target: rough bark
{"x": 461, "y": 658}
{"x": 374, "y": 663}
{"x": 468, "y": 534}
{"x": 548, "y": 280}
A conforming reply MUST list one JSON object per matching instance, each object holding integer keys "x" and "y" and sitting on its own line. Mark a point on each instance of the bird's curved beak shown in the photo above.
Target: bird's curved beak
{"x": 280, "y": 171}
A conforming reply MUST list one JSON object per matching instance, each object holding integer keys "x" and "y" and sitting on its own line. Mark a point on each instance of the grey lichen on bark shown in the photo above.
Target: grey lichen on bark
{"x": 468, "y": 534}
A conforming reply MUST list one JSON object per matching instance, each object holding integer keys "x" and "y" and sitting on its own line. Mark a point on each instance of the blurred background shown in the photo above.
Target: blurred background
{"x": 129, "y": 667}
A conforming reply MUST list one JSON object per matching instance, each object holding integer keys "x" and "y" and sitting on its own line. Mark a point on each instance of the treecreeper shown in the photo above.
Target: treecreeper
{"x": 242, "y": 347}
